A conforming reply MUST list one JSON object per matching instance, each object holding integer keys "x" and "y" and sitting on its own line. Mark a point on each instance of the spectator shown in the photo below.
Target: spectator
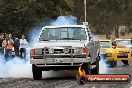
{"x": 8, "y": 45}
{"x": 114, "y": 43}
{"x": 23, "y": 46}
{"x": 1, "y": 48}
{"x": 10, "y": 36}
{"x": 16, "y": 45}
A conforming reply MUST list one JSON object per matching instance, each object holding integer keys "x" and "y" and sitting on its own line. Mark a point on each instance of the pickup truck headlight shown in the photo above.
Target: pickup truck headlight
{"x": 77, "y": 51}
{"x": 80, "y": 50}
{"x": 109, "y": 54}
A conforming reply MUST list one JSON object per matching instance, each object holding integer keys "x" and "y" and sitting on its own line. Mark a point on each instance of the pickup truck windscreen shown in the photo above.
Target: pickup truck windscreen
{"x": 65, "y": 33}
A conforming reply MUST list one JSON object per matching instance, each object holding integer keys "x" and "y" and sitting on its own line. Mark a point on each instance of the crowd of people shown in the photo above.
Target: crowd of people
{"x": 11, "y": 44}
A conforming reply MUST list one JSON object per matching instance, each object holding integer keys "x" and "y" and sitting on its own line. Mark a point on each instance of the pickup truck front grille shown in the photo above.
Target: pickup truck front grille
{"x": 59, "y": 51}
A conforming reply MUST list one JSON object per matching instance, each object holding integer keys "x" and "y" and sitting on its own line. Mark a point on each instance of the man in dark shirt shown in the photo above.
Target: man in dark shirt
{"x": 16, "y": 46}
{"x": 1, "y": 48}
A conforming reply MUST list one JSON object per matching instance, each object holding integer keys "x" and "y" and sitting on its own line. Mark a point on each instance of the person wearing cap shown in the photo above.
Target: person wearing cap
{"x": 8, "y": 46}
{"x": 114, "y": 43}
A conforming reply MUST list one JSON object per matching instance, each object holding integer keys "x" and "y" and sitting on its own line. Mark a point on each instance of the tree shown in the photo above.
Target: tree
{"x": 18, "y": 16}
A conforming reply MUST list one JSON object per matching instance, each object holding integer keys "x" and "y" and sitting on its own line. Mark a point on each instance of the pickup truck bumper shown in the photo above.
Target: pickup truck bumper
{"x": 59, "y": 61}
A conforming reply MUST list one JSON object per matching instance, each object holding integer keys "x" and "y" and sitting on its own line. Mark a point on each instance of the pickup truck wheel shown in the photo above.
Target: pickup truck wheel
{"x": 113, "y": 63}
{"x": 37, "y": 73}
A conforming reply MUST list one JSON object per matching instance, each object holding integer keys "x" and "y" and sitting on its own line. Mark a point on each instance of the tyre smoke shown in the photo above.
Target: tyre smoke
{"x": 65, "y": 20}
{"x": 15, "y": 68}
{"x": 102, "y": 67}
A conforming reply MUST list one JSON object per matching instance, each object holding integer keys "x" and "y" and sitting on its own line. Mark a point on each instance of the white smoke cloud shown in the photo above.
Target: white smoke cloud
{"x": 95, "y": 37}
{"x": 3, "y": 68}
{"x": 103, "y": 67}
{"x": 19, "y": 68}
{"x": 14, "y": 68}
{"x": 65, "y": 20}
{"x": 34, "y": 35}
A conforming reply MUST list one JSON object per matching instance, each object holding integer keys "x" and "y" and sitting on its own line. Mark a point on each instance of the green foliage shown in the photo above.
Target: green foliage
{"x": 18, "y": 16}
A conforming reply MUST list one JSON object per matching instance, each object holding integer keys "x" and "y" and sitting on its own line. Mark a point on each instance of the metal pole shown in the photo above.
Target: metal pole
{"x": 85, "y": 13}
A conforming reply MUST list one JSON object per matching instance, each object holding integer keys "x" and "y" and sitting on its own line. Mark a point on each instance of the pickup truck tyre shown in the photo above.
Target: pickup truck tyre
{"x": 37, "y": 73}
{"x": 113, "y": 63}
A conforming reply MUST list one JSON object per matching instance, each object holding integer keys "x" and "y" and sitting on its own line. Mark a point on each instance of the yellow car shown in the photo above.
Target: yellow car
{"x": 112, "y": 54}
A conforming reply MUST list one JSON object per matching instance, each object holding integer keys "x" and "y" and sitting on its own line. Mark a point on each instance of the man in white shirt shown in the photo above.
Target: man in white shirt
{"x": 23, "y": 46}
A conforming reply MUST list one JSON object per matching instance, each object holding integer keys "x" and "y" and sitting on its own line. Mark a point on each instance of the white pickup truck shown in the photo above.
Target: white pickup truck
{"x": 65, "y": 47}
